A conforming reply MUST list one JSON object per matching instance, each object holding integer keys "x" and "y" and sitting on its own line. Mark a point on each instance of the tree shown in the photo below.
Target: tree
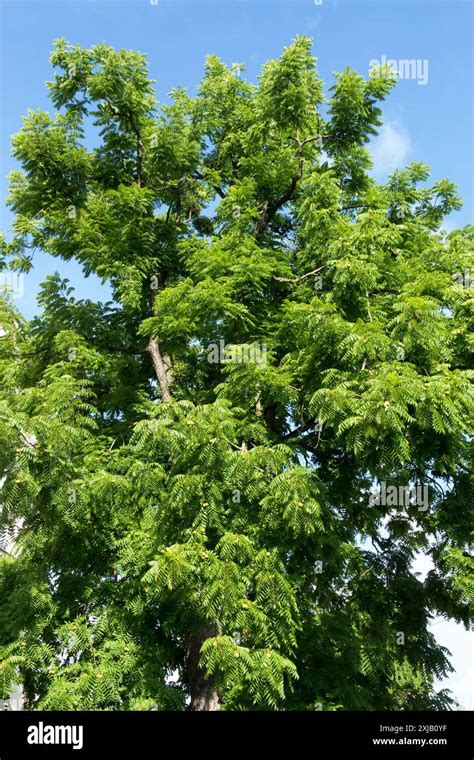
{"x": 189, "y": 470}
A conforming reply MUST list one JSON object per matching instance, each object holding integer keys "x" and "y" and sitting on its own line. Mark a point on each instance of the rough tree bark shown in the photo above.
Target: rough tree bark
{"x": 203, "y": 694}
{"x": 161, "y": 362}
{"x": 162, "y": 365}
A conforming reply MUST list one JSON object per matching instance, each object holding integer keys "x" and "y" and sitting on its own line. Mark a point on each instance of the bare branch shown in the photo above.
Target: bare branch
{"x": 303, "y": 276}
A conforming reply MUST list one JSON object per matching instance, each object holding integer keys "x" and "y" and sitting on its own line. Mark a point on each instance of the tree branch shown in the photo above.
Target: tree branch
{"x": 162, "y": 366}
{"x": 270, "y": 208}
{"x": 139, "y": 145}
{"x": 217, "y": 188}
{"x": 303, "y": 276}
{"x": 161, "y": 363}
{"x": 301, "y": 429}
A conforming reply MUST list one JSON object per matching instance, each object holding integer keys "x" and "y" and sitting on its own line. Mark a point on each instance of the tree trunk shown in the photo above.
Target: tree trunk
{"x": 203, "y": 694}
{"x": 161, "y": 362}
{"x": 162, "y": 365}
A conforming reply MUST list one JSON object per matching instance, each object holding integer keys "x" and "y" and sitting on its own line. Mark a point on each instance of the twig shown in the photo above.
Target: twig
{"x": 302, "y": 277}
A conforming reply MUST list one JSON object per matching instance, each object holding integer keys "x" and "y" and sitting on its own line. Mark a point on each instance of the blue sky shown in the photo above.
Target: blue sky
{"x": 429, "y": 122}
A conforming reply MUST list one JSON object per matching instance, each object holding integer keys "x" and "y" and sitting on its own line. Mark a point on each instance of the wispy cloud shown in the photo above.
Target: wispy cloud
{"x": 390, "y": 149}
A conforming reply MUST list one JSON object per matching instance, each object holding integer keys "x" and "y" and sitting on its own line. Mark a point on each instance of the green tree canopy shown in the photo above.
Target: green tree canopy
{"x": 187, "y": 470}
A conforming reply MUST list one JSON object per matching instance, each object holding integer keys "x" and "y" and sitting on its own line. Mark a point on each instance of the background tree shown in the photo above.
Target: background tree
{"x": 213, "y": 520}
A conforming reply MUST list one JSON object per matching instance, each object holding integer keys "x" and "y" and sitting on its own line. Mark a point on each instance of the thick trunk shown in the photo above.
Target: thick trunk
{"x": 203, "y": 694}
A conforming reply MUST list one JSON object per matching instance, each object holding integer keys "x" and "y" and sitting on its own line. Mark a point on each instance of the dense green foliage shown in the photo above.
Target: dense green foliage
{"x": 160, "y": 500}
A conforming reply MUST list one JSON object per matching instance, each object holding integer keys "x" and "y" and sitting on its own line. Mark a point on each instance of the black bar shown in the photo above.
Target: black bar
{"x": 164, "y": 734}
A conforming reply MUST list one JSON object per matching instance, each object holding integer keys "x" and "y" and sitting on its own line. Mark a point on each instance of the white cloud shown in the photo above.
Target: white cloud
{"x": 390, "y": 149}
